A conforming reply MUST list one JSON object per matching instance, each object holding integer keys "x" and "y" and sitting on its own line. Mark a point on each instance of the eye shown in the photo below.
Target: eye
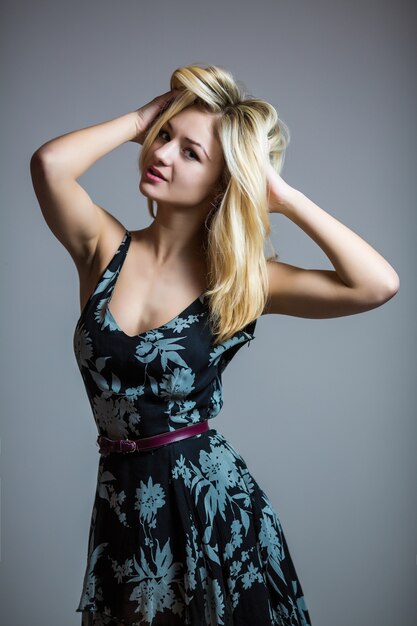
{"x": 189, "y": 149}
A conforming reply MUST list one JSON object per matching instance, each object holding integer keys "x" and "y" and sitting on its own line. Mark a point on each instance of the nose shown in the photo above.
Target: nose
{"x": 166, "y": 152}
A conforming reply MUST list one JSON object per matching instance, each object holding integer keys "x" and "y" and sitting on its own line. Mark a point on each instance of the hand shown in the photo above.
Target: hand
{"x": 148, "y": 113}
{"x": 279, "y": 191}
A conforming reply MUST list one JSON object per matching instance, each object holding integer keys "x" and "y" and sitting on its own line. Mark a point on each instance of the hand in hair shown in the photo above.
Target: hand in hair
{"x": 279, "y": 191}
{"x": 147, "y": 113}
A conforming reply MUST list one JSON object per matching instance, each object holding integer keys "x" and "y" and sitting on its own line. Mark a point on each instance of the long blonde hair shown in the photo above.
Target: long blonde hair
{"x": 238, "y": 225}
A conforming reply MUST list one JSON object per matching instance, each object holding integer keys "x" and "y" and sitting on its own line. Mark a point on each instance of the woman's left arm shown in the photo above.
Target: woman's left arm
{"x": 362, "y": 278}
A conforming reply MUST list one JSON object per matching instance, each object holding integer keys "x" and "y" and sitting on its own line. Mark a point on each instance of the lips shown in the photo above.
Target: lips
{"x": 156, "y": 172}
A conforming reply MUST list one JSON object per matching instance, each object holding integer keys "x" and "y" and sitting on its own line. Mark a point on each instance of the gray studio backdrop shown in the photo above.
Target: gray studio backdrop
{"x": 321, "y": 410}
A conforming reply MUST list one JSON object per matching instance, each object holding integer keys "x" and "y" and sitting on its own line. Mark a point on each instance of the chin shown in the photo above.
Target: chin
{"x": 146, "y": 189}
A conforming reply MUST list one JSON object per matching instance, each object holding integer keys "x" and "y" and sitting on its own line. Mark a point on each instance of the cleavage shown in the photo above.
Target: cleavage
{"x": 138, "y": 304}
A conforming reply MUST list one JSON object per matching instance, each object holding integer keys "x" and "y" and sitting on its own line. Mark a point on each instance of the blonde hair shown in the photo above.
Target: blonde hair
{"x": 238, "y": 224}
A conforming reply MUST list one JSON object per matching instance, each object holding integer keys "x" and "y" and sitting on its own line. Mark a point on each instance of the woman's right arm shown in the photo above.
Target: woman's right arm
{"x": 82, "y": 226}
{"x": 73, "y": 217}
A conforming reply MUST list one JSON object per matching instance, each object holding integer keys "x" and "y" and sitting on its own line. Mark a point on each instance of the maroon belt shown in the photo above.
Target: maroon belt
{"x": 135, "y": 445}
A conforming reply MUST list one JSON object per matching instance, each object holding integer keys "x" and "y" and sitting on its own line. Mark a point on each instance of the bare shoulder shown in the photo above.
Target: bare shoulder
{"x": 112, "y": 232}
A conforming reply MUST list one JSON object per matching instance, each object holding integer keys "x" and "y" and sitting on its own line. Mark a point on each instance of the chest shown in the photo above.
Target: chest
{"x": 138, "y": 307}
{"x": 140, "y": 298}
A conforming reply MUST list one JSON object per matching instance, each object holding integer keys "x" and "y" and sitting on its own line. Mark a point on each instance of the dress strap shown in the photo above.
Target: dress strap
{"x": 107, "y": 278}
{"x": 112, "y": 270}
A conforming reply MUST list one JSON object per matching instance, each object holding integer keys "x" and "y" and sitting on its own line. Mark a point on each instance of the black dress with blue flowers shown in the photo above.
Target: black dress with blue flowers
{"x": 181, "y": 534}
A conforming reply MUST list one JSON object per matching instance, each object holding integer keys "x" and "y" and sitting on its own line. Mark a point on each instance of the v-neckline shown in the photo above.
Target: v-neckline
{"x": 150, "y": 330}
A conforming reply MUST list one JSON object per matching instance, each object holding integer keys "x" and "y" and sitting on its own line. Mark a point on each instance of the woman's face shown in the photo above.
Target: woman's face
{"x": 191, "y": 171}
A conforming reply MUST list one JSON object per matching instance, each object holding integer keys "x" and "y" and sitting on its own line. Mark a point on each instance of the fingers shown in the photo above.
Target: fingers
{"x": 167, "y": 98}
{"x": 170, "y": 95}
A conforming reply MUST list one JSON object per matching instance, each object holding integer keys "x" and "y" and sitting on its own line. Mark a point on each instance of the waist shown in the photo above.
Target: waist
{"x": 126, "y": 446}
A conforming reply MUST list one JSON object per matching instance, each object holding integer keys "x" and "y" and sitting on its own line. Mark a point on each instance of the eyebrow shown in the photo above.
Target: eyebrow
{"x": 191, "y": 141}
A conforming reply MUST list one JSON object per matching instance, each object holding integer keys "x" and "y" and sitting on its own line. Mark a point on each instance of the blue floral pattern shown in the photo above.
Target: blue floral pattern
{"x": 181, "y": 534}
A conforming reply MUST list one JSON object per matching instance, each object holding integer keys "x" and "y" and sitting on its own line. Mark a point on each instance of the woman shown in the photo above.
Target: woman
{"x": 181, "y": 533}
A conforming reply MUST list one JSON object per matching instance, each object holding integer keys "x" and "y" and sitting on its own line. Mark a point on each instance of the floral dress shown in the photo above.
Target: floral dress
{"x": 181, "y": 534}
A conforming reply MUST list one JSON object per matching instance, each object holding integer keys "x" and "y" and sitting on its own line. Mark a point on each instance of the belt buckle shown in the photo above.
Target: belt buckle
{"x": 131, "y": 446}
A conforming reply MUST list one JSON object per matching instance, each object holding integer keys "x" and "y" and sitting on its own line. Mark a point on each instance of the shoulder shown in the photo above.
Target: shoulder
{"x": 109, "y": 239}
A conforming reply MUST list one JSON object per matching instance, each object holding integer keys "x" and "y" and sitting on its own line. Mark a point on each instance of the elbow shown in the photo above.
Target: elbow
{"x": 40, "y": 164}
{"x": 393, "y": 285}
{"x": 386, "y": 290}
{"x": 38, "y": 158}
{"x": 37, "y": 162}
{"x": 35, "y": 166}
{"x": 42, "y": 156}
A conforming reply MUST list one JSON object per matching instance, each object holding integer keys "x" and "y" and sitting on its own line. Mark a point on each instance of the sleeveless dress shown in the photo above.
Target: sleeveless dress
{"x": 181, "y": 534}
